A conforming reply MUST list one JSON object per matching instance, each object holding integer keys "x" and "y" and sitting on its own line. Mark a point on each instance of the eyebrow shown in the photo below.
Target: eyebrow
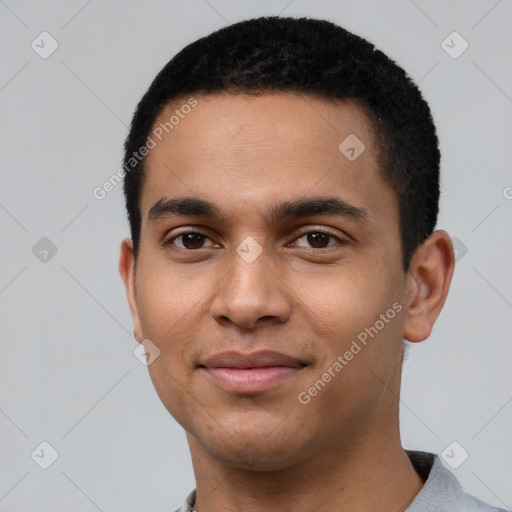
{"x": 299, "y": 208}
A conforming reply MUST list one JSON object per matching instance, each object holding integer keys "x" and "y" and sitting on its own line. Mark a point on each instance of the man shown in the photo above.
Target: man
{"x": 282, "y": 187}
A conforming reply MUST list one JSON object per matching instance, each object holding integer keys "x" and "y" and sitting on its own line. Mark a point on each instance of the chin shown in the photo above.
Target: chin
{"x": 256, "y": 449}
{"x": 255, "y": 456}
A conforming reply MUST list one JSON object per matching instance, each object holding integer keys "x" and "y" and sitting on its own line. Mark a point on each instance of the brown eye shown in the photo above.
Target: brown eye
{"x": 190, "y": 240}
{"x": 318, "y": 240}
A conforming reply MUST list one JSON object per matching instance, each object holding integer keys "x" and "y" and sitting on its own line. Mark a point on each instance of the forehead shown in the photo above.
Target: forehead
{"x": 263, "y": 150}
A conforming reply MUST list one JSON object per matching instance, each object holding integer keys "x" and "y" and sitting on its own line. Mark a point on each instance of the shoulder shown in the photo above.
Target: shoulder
{"x": 442, "y": 491}
{"x": 188, "y": 504}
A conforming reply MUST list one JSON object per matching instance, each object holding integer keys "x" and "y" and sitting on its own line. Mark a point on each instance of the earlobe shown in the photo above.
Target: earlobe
{"x": 429, "y": 279}
{"x": 127, "y": 271}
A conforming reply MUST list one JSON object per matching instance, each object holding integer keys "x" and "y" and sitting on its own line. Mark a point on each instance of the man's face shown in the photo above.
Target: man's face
{"x": 303, "y": 282}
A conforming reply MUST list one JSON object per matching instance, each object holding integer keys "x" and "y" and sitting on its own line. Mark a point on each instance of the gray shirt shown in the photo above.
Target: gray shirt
{"x": 441, "y": 492}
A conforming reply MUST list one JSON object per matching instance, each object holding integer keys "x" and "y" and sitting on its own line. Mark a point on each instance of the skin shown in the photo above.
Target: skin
{"x": 306, "y": 298}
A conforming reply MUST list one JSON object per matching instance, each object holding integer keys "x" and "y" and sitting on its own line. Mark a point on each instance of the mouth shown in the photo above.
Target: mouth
{"x": 250, "y": 373}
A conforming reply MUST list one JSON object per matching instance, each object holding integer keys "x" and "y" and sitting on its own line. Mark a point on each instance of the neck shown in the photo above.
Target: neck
{"x": 371, "y": 474}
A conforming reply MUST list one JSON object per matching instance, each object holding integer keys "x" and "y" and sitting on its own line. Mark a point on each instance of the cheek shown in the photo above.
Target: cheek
{"x": 168, "y": 297}
{"x": 357, "y": 315}
{"x": 170, "y": 316}
{"x": 341, "y": 302}
{"x": 358, "y": 322}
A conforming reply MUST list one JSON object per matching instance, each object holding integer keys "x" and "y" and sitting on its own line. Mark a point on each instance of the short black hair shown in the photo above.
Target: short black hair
{"x": 310, "y": 57}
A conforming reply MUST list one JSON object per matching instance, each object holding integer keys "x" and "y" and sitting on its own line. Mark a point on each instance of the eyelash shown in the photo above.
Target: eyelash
{"x": 315, "y": 231}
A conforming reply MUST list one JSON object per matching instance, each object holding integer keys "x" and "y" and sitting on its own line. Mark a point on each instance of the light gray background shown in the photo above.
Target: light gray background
{"x": 68, "y": 374}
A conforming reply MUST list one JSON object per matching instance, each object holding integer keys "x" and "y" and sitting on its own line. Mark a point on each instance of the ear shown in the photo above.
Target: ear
{"x": 127, "y": 271}
{"x": 429, "y": 278}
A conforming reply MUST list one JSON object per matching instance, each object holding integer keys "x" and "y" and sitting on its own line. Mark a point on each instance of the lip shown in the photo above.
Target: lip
{"x": 250, "y": 373}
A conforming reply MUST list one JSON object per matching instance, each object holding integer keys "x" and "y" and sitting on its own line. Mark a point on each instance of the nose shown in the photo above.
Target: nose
{"x": 251, "y": 294}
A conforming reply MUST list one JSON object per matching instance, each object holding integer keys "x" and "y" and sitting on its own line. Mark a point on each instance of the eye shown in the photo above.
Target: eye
{"x": 193, "y": 240}
{"x": 318, "y": 239}
{"x": 190, "y": 240}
